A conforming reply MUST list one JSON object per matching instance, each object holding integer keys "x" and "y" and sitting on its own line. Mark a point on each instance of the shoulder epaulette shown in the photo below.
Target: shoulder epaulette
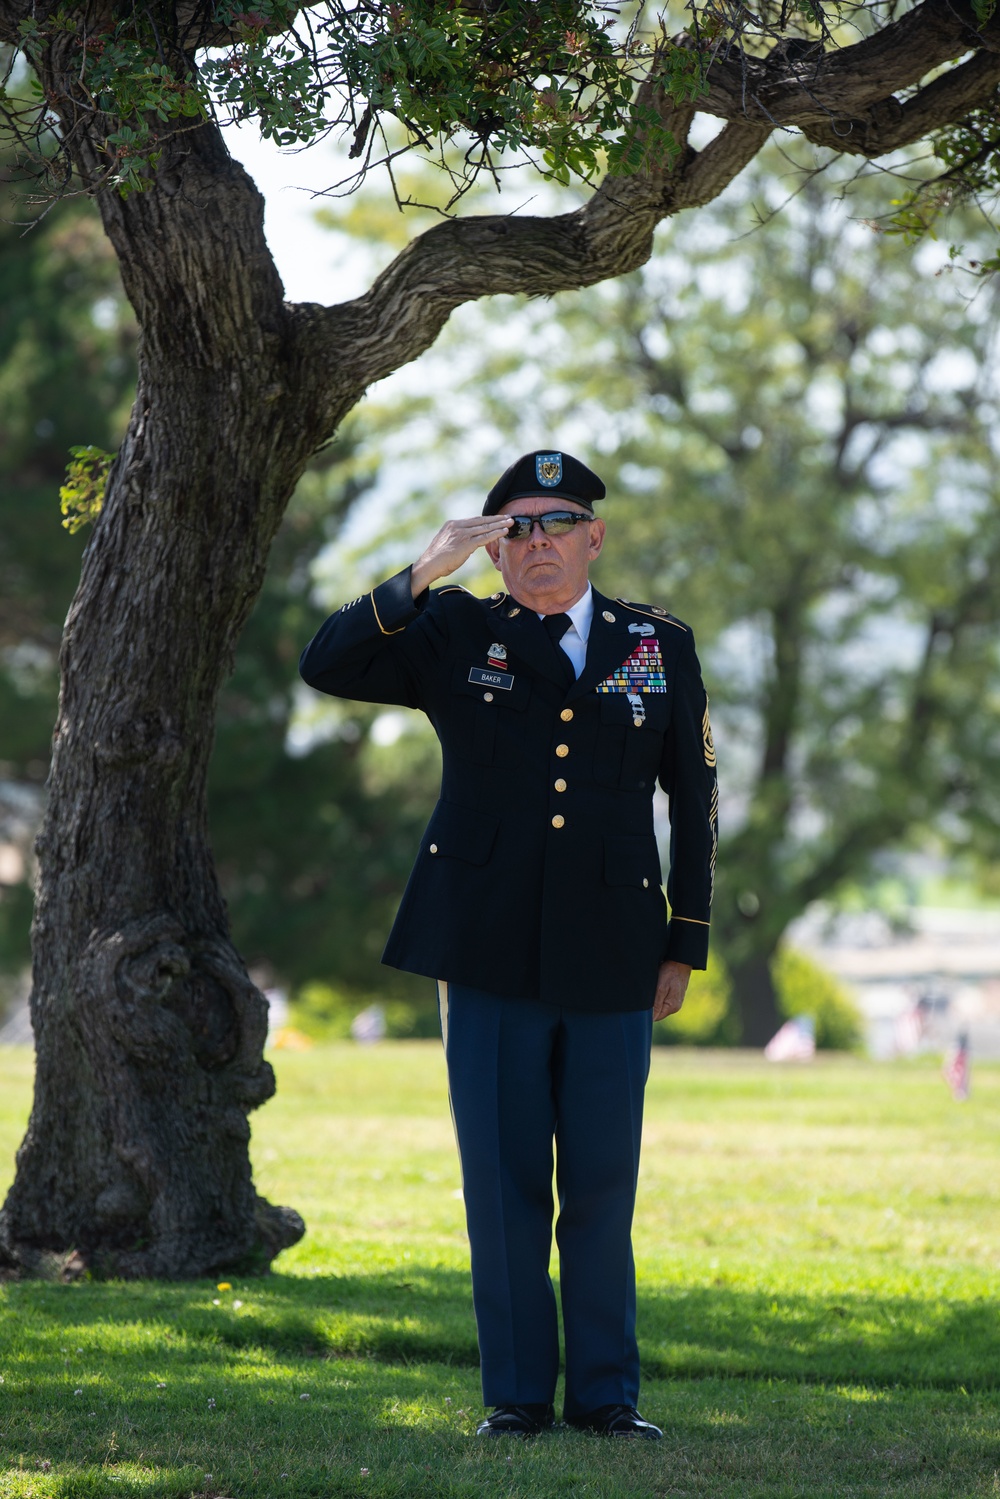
{"x": 454, "y": 588}
{"x": 654, "y": 612}
{"x": 496, "y": 599}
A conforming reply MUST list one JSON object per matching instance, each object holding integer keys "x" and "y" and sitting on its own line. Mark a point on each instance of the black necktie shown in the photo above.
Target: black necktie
{"x": 556, "y": 626}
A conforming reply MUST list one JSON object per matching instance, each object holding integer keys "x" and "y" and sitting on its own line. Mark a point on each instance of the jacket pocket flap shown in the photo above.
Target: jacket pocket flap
{"x": 615, "y": 708}
{"x": 461, "y": 833}
{"x": 632, "y": 859}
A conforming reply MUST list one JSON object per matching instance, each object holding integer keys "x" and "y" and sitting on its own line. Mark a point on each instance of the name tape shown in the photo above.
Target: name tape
{"x": 491, "y": 678}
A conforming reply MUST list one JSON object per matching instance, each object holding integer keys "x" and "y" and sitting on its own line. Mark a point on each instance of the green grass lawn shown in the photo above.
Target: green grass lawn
{"x": 817, "y": 1251}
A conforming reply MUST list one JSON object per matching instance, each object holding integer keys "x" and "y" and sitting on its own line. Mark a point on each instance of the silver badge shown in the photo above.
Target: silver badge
{"x": 497, "y": 652}
{"x": 642, "y": 629}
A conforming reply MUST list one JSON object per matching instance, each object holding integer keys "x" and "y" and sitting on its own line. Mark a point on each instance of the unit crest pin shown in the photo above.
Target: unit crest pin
{"x": 548, "y": 469}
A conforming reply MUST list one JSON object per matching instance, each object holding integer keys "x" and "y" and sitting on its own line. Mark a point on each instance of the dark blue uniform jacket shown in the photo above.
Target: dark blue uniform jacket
{"x": 539, "y": 875}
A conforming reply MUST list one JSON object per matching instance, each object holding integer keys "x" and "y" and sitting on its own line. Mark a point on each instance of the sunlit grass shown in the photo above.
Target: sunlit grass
{"x": 817, "y": 1251}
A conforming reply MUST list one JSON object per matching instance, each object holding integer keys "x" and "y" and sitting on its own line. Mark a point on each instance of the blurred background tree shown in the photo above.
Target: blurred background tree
{"x": 67, "y": 376}
{"x": 799, "y": 433}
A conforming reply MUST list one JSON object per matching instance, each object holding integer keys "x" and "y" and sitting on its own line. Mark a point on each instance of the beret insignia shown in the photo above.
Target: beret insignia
{"x": 548, "y": 469}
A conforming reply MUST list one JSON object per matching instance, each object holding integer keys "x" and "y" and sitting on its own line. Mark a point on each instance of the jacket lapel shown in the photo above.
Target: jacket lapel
{"x": 608, "y": 646}
{"x": 523, "y": 633}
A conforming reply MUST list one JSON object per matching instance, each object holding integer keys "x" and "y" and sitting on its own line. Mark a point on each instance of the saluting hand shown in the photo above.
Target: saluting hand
{"x": 671, "y": 987}
{"x": 454, "y": 544}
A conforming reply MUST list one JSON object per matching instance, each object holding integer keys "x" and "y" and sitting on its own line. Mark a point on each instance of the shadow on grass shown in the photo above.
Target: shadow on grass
{"x": 365, "y": 1387}
{"x": 425, "y": 1316}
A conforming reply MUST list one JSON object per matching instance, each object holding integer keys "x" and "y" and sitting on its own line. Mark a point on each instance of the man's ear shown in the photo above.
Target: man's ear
{"x": 597, "y": 529}
{"x": 492, "y": 550}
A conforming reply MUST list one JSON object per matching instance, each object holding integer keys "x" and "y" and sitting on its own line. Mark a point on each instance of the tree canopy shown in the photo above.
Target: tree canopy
{"x": 578, "y": 89}
{"x": 798, "y": 429}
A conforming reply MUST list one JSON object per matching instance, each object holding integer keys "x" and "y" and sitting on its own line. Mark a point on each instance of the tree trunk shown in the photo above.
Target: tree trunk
{"x": 755, "y": 999}
{"x": 149, "y": 1033}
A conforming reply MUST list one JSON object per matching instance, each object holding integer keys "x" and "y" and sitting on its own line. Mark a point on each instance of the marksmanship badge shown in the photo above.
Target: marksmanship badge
{"x": 548, "y": 469}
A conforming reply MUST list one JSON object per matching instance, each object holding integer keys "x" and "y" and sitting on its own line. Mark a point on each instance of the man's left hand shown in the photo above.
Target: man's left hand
{"x": 670, "y": 989}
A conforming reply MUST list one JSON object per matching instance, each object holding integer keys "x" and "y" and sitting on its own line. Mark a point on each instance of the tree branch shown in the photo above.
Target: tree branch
{"x": 845, "y": 85}
{"x": 890, "y": 125}
{"x": 844, "y": 98}
{"x": 465, "y": 259}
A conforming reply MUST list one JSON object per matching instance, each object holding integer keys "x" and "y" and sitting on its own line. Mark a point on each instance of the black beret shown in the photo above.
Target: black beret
{"x": 558, "y": 474}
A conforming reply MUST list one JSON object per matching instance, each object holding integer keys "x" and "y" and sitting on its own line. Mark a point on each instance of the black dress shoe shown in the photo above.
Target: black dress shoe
{"x": 617, "y": 1421}
{"x": 517, "y": 1421}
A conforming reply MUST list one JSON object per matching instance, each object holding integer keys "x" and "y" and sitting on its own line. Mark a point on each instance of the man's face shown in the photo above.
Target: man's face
{"x": 547, "y": 573}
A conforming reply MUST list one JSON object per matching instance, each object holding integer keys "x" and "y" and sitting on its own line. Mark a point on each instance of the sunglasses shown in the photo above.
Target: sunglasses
{"x": 553, "y": 523}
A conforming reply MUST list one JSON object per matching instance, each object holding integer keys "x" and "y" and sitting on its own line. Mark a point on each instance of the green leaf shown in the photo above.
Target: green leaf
{"x": 81, "y": 497}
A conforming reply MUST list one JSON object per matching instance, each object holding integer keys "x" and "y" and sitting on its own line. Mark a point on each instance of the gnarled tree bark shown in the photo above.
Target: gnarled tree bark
{"x": 149, "y": 1033}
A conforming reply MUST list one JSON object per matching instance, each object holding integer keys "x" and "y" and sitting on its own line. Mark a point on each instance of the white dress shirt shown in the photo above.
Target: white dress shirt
{"x": 574, "y": 642}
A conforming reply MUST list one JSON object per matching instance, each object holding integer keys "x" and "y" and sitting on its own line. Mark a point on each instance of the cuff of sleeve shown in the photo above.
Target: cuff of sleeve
{"x": 687, "y": 942}
{"x": 394, "y": 605}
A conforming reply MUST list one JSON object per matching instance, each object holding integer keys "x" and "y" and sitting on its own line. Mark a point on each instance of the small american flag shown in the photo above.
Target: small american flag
{"x": 908, "y": 1030}
{"x": 956, "y": 1069}
{"x": 795, "y": 1042}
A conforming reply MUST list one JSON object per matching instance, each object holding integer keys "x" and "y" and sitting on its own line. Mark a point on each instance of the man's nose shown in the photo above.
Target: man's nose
{"x": 537, "y": 536}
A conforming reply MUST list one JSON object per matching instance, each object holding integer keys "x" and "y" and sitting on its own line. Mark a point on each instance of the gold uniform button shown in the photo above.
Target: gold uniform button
{"x": 487, "y": 697}
{"x": 645, "y": 884}
{"x": 558, "y": 822}
{"x": 560, "y": 784}
{"x": 434, "y": 848}
{"x": 608, "y": 616}
{"x": 562, "y": 750}
{"x": 566, "y": 715}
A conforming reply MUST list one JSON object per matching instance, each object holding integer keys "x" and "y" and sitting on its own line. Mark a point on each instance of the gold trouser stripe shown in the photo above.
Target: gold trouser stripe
{"x": 692, "y": 919}
{"x": 443, "y": 1010}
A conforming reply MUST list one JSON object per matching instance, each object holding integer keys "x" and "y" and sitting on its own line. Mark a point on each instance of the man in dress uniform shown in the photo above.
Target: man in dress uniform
{"x": 536, "y": 903}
